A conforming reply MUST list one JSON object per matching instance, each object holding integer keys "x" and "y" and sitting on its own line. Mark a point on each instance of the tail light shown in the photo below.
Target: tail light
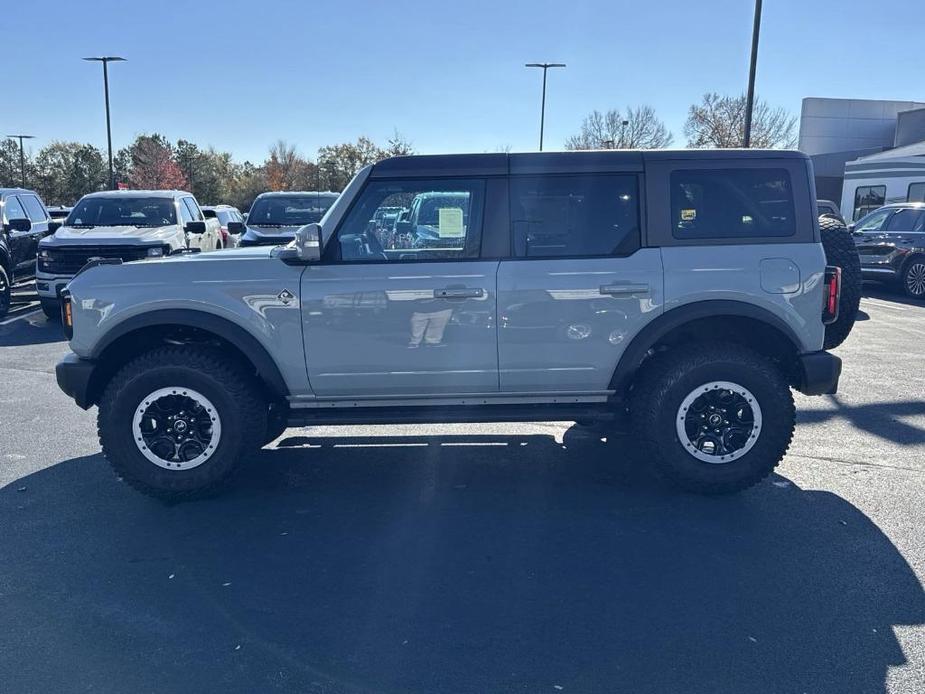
{"x": 67, "y": 314}
{"x": 831, "y": 294}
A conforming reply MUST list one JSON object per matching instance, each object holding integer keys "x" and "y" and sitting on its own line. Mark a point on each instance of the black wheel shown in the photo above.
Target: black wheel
{"x": 841, "y": 251}
{"x": 52, "y": 309}
{"x": 913, "y": 279}
{"x": 716, "y": 418}
{"x": 176, "y": 421}
{"x": 6, "y": 292}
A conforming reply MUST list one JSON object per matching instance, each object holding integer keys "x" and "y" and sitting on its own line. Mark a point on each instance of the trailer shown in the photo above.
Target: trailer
{"x": 879, "y": 179}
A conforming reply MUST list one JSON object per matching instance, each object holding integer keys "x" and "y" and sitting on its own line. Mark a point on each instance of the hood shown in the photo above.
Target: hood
{"x": 274, "y": 230}
{"x": 122, "y": 235}
{"x": 229, "y": 255}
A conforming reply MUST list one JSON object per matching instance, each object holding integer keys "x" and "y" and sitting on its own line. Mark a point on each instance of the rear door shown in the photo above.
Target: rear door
{"x": 387, "y": 313}
{"x": 578, "y": 286}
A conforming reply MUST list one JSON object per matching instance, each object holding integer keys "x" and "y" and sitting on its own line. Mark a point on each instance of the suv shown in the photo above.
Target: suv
{"x": 124, "y": 224}
{"x": 225, "y": 214}
{"x": 274, "y": 217}
{"x": 24, "y": 221}
{"x": 891, "y": 243}
{"x": 689, "y": 289}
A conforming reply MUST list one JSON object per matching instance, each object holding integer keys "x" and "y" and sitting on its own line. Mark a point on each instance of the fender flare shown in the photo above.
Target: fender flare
{"x": 639, "y": 346}
{"x": 240, "y": 338}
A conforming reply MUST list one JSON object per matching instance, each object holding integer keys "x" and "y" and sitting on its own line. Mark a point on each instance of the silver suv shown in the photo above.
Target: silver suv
{"x": 686, "y": 289}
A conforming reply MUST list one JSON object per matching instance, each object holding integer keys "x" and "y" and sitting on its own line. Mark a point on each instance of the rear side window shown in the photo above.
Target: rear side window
{"x": 906, "y": 220}
{"x": 867, "y": 199}
{"x": 596, "y": 215}
{"x": 731, "y": 204}
{"x": 916, "y": 192}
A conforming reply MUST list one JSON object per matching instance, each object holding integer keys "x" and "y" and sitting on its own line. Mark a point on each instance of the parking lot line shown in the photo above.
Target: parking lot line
{"x": 21, "y": 315}
{"x": 884, "y": 304}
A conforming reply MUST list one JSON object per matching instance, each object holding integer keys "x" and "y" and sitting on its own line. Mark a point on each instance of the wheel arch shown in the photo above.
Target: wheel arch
{"x": 739, "y": 322}
{"x": 146, "y": 330}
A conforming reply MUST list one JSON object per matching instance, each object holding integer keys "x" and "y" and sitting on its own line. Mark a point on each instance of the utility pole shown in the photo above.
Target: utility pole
{"x": 105, "y": 60}
{"x": 545, "y": 67}
{"x": 750, "y": 95}
{"x": 22, "y": 156}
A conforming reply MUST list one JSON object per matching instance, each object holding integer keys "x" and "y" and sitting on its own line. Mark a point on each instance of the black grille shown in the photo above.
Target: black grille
{"x": 68, "y": 261}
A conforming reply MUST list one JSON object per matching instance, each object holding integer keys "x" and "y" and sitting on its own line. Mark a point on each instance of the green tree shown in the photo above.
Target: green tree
{"x": 249, "y": 182}
{"x": 10, "y": 173}
{"x": 339, "y": 163}
{"x": 66, "y": 171}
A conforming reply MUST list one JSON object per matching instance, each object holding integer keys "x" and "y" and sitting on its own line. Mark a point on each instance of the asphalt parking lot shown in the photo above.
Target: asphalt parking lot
{"x": 489, "y": 558}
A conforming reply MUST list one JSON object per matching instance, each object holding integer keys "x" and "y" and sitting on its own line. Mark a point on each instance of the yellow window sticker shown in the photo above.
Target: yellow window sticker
{"x": 451, "y": 223}
{"x": 688, "y": 215}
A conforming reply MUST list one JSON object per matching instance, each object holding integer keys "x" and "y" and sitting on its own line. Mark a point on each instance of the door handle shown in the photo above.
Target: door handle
{"x": 624, "y": 289}
{"x": 459, "y": 293}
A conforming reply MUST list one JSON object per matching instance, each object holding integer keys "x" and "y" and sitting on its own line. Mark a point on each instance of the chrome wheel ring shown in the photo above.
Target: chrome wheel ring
{"x": 915, "y": 279}
{"x": 176, "y": 428}
{"x": 718, "y": 422}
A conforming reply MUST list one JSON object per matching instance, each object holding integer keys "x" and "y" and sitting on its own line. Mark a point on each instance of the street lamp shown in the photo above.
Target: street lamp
{"x": 22, "y": 156}
{"x": 105, "y": 60}
{"x": 750, "y": 96}
{"x": 545, "y": 67}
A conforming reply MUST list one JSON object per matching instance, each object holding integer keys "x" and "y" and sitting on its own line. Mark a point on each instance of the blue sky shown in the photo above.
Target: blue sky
{"x": 448, "y": 76}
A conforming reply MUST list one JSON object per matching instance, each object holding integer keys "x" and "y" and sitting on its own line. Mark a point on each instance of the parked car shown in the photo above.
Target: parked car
{"x": 891, "y": 243}
{"x": 274, "y": 217}
{"x": 123, "y": 224}
{"x": 569, "y": 295}
{"x": 59, "y": 213}
{"x": 827, "y": 208}
{"x": 24, "y": 222}
{"x": 225, "y": 214}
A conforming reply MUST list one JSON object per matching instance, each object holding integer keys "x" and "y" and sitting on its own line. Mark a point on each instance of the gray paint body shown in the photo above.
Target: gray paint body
{"x": 523, "y": 330}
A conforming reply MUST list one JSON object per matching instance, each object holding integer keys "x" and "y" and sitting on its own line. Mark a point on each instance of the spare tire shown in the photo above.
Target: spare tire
{"x": 841, "y": 251}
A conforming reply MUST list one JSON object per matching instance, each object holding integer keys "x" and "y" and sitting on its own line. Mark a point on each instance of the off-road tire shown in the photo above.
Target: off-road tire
{"x": 51, "y": 308}
{"x": 668, "y": 378}
{"x": 912, "y": 273}
{"x": 841, "y": 251}
{"x": 6, "y": 292}
{"x": 233, "y": 392}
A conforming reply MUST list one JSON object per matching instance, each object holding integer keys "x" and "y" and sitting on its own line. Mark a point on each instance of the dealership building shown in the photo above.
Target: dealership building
{"x": 865, "y": 152}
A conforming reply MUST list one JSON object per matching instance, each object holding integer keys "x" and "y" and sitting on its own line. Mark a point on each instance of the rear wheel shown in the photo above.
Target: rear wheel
{"x": 176, "y": 421}
{"x": 716, "y": 419}
{"x": 913, "y": 279}
{"x": 841, "y": 251}
{"x": 5, "y": 292}
{"x": 51, "y": 308}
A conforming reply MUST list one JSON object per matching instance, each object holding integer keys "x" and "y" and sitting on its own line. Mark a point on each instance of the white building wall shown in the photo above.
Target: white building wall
{"x": 838, "y": 125}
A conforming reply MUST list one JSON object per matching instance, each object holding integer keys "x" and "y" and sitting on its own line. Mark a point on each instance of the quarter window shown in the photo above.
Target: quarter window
{"x": 867, "y": 199}
{"x": 731, "y": 204}
{"x": 916, "y": 192}
{"x": 574, "y": 215}
{"x": 33, "y": 208}
{"x": 413, "y": 220}
{"x": 12, "y": 209}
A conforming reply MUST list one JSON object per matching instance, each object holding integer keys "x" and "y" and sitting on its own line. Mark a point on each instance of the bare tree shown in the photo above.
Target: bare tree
{"x": 637, "y": 128}
{"x": 719, "y": 121}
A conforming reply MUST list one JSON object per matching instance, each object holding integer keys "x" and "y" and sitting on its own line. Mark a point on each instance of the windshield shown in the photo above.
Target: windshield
{"x": 119, "y": 211}
{"x": 295, "y": 210}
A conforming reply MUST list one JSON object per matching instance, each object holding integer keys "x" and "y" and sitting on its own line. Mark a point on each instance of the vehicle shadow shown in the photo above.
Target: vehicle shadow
{"x": 456, "y": 563}
{"x": 886, "y": 292}
{"x": 31, "y": 329}
{"x": 877, "y": 418}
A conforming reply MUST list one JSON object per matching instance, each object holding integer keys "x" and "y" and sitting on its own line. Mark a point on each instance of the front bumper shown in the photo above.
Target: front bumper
{"x": 75, "y": 378}
{"x": 50, "y": 286}
{"x": 818, "y": 373}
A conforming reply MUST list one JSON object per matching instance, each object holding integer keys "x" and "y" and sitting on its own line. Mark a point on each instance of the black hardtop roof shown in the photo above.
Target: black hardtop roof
{"x": 558, "y": 162}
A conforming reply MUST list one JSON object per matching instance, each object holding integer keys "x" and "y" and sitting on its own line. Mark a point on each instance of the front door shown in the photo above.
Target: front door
{"x": 36, "y": 213}
{"x": 403, "y": 305}
{"x": 579, "y": 287}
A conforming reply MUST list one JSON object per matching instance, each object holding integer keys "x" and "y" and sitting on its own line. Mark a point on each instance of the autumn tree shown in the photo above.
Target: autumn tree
{"x": 636, "y": 128}
{"x": 66, "y": 171}
{"x": 153, "y": 165}
{"x": 719, "y": 121}
{"x": 249, "y": 182}
{"x": 286, "y": 169}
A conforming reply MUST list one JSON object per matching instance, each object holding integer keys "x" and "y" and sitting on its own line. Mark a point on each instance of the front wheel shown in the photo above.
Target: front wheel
{"x": 717, "y": 418}
{"x": 913, "y": 278}
{"x": 52, "y": 309}
{"x": 176, "y": 421}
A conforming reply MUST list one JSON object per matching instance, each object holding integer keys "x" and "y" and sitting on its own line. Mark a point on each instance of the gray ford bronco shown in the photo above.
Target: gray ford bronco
{"x": 688, "y": 290}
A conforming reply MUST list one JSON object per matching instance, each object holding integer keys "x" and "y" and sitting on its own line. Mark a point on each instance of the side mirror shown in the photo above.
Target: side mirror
{"x": 851, "y": 228}
{"x": 305, "y": 247}
{"x": 403, "y": 227}
{"x": 195, "y": 228}
{"x": 235, "y": 227}
{"x": 19, "y": 225}
{"x": 209, "y": 214}
{"x": 53, "y": 227}
{"x": 245, "y": 215}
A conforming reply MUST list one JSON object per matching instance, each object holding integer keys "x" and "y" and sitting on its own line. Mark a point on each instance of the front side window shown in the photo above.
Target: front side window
{"x": 33, "y": 208}
{"x": 123, "y": 211}
{"x": 574, "y": 215}
{"x": 194, "y": 210}
{"x": 867, "y": 199}
{"x": 12, "y": 209}
{"x": 731, "y": 204}
{"x": 874, "y": 221}
{"x": 185, "y": 216}
{"x": 906, "y": 220}
{"x": 289, "y": 210}
{"x": 916, "y": 192}
{"x": 414, "y": 220}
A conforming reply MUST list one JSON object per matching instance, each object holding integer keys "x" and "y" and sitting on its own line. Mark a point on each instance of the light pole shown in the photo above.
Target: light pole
{"x": 750, "y": 95}
{"x": 105, "y": 60}
{"x": 545, "y": 67}
{"x": 623, "y": 134}
{"x": 22, "y": 156}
